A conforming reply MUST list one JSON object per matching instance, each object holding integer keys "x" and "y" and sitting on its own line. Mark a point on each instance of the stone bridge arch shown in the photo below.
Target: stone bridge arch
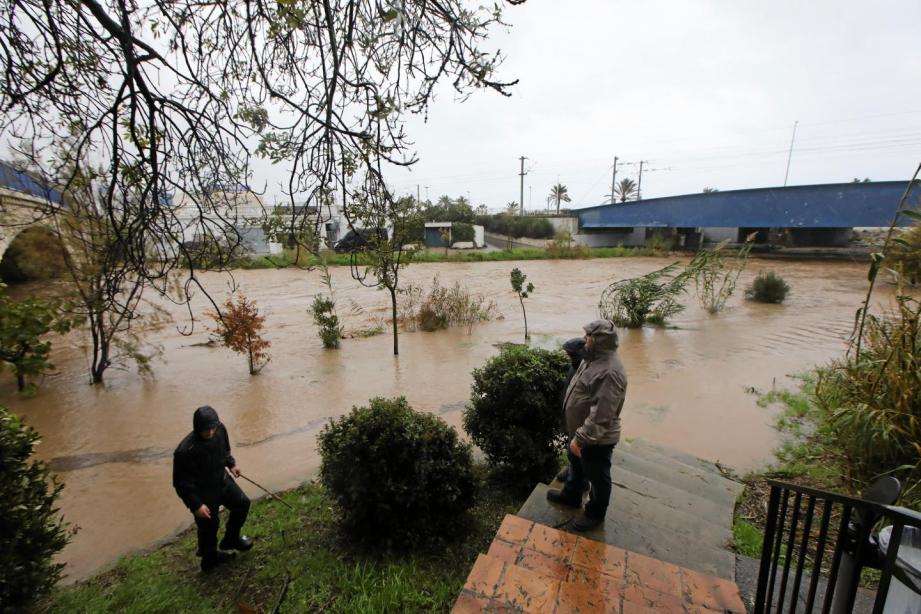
{"x": 19, "y": 212}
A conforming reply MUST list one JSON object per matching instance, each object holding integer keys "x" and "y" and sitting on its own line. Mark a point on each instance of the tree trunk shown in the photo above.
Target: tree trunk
{"x": 393, "y": 306}
{"x": 524, "y": 313}
{"x": 100, "y": 357}
{"x": 20, "y": 382}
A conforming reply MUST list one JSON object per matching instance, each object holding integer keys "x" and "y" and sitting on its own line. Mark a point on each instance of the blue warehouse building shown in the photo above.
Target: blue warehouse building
{"x": 814, "y": 215}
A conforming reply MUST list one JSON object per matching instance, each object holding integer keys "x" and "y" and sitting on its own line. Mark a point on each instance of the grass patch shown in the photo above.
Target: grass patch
{"x": 747, "y": 539}
{"x": 519, "y": 253}
{"x": 326, "y": 572}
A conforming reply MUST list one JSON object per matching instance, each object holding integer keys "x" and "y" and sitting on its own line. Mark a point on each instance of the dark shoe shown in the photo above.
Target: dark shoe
{"x": 586, "y": 523}
{"x": 558, "y": 496}
{"x": 563, "y": 475}
{"x": 241, "y": 543}
{"x": 218, "y": 558}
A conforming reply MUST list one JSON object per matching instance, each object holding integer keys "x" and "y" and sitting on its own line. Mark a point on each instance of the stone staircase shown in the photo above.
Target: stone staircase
{"x": 533, "y": 568}
{"x": 665, "y": 504}
{"x": 662, "y": 547}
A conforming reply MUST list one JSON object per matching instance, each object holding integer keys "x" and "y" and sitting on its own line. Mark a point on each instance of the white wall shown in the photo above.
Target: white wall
{"x": 479, "y": 235}
{"x": 605, "y": 238}
{"x": 715, "y": 235}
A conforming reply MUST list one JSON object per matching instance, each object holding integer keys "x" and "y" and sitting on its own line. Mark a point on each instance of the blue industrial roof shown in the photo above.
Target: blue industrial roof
{"x": 19, "y": 181}
{"x": 834, "y": 205}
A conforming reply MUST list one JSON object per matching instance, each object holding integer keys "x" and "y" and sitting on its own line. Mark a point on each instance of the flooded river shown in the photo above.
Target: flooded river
{"x": 689, "y": 385}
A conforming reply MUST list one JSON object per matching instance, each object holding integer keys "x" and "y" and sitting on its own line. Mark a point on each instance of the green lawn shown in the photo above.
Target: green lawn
{"x": 437, "y": 255}
{"x": 326, "y": 572}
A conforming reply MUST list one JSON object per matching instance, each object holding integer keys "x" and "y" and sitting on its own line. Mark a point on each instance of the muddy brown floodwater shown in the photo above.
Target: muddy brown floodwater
{"x": 689, "y": 385}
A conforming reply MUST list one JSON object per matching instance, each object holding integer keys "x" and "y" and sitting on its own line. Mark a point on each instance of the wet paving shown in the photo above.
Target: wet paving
{"x": 690, "y": 385}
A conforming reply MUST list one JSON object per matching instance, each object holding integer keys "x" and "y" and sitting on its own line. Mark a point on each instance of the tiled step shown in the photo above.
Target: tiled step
{"x": 635, "y": 524}
{"x": 533, "y": 568}
{"x": 664, "y": 504}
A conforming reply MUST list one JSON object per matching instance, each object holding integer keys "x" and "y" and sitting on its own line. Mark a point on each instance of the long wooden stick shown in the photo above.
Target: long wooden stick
{"x": 268, "y": 492}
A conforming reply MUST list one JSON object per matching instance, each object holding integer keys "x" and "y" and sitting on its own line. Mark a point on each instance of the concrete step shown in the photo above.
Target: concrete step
{"x": 634, "y": 523}
{"x": 533, "y": 568}
{"x": 699, "y": 482}
{"x": 642, "y": 446}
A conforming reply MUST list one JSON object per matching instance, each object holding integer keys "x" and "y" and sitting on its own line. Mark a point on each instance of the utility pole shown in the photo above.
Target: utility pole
{"x": 417, "y": 195}
{"x": 639, "y": 182}
{"x": 530, "y": 194}
{"x": 790, "y": 155}
{"x": 613, "y": 177}
{"x": 521, "y": 195}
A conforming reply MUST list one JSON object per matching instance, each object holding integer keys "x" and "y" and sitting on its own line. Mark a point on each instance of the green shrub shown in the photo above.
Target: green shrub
{"x": 399, "y": 476}
{"x": 768, "y": 288}
{"x": 461, "y": 231}
{"x": 31, "y": 530}
{"x": 517, "y": 226}
{"x": 515, "y": 415}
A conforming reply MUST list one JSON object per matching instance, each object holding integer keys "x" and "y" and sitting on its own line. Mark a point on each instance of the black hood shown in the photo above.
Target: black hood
{"x": 574, "y": 347}
{"x": 205, "y": 418}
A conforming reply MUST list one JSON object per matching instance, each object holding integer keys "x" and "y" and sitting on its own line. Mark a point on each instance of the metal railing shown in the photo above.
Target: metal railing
{"x": 817, "y": 543}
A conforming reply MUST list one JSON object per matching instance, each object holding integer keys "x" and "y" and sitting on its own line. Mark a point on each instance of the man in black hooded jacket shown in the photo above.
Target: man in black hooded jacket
{"x": 200, "y": 477}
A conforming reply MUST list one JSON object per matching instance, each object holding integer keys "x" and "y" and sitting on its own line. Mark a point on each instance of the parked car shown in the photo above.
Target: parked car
{"x": 356, "y": 239}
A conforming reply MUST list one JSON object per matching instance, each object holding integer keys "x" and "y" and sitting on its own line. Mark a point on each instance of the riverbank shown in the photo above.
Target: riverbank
{"x": 300, "y": 558}
{"x": 291, "y": 258}
{"x": 688, "y": 383}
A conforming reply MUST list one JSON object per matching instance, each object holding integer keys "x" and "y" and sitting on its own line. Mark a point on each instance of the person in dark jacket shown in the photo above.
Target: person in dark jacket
{"x": 593, "y": 404}
{"x": 575, "y": 350}
{"x": 201, "y": 480}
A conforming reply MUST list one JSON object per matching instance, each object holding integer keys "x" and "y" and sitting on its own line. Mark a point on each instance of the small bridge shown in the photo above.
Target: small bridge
{"x": 24, "y": 202}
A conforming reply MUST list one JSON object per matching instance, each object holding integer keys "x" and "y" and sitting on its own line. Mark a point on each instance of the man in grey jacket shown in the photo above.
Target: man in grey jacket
{"x": 593, "y": 402}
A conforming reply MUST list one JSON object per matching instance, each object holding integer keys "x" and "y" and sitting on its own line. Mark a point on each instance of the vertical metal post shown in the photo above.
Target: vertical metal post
{"x": 521, "y": 193}
{"x": 790, "y": 155}
{"x": 613, "y": 180}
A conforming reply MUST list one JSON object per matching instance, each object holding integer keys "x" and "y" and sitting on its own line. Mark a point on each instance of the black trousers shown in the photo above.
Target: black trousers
{"x": 236, "y": 501}
{"x": 595, "y": 468}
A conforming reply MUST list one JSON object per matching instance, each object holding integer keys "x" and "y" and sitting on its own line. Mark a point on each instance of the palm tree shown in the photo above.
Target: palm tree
{"x": 511, "y": 207}
{"x": 709, "y": 190}
{"x": 559, "y": 192}
{"x": 625, "y": 190}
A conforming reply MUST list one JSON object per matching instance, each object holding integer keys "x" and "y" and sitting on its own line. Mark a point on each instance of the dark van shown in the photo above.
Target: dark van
{"x": 356, "y": 239}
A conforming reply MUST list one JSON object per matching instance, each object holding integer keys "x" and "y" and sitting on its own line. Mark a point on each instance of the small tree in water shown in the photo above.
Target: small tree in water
{"x": 380, "y": 261}
{"x": 239, "y": 327}
{"x": 324, "y": 313}
{"x": 22, "y": 326}
{"x": 518, "y": 278}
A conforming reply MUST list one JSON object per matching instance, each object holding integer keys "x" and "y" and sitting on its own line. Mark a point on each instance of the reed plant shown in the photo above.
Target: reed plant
{"x": 871, "y": 400}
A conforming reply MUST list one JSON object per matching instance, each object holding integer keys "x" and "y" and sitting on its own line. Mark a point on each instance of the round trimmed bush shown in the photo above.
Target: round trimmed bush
{"x": 398, "y": 475}
{"x": 768, "y": 288}
{"x": 31, "y": 529}
{"x": 515, "y": 415}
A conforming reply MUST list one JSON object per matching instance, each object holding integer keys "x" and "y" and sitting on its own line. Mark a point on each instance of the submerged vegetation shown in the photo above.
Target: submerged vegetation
{"x": 652, "y": 298}
{"x": 768, "y": 287}
{"x": 444, "y": 307}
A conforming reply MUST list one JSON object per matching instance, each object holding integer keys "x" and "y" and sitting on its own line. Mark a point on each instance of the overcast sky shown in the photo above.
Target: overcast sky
{"x": 706, "y": 91}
